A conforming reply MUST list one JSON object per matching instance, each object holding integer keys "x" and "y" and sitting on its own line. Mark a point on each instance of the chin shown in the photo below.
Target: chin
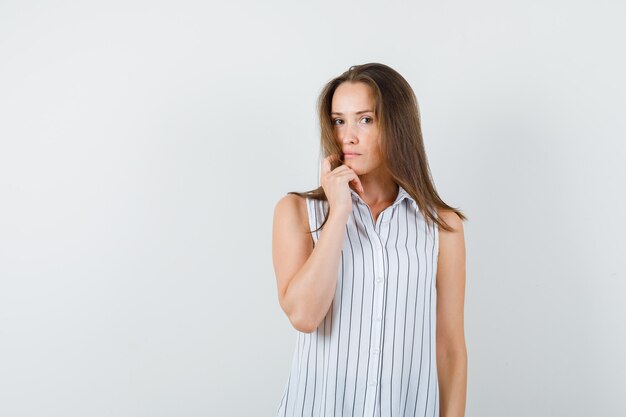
{"x": 357, "y": 171}
{"x": 349, "y": 164}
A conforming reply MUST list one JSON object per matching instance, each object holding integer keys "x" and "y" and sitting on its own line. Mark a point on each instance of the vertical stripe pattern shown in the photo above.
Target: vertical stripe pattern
{"x": 374, "y": 353}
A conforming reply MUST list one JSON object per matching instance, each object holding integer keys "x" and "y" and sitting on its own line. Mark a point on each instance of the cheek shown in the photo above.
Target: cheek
{"x": 376, "y": 151}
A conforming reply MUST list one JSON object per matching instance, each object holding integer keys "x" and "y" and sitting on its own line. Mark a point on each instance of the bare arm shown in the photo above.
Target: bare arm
{"x": 306, "y": 276}
{"x": 451, "y": 349}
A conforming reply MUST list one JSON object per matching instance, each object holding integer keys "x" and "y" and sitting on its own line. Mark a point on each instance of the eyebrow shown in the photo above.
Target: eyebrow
{"x": 359, "y": 112}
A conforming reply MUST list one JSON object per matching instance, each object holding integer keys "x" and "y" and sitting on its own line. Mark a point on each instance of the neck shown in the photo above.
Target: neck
{"x": 378, "y": 191}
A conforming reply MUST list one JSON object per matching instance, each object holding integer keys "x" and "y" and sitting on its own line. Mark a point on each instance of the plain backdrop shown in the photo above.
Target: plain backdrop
{"x": 144, "y": 145}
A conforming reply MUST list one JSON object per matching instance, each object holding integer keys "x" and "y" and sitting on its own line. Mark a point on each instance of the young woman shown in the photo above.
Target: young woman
{"x": 370, "y": 267}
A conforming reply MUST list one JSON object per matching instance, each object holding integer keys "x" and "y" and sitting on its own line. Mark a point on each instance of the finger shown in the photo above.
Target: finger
{"x": 341, "y": 169}
{"x": 325, "y": 169}
{"x": 328, "y": 164}
{"x": 353, "y": 178}
{"x": 332, "y": 158}
{"x": 357, "y": 184}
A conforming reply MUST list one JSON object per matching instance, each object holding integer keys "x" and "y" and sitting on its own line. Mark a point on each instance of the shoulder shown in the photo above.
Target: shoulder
{"x": 455, "y": 237}
{"x": 451, "y": 219}
{"x": 292, "y": 208}
{"x": 291, "y": 202}
{"x": 451, "y": 243}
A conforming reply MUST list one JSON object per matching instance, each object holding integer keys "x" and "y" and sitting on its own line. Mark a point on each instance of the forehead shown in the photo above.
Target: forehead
{"x": 352, "y": 97}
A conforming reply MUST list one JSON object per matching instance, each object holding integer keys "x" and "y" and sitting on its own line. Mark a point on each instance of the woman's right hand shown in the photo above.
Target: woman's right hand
{"x": 336, "y": 184}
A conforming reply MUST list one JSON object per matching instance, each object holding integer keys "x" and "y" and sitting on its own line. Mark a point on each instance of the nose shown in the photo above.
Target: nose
{"x": 349, "y": 133}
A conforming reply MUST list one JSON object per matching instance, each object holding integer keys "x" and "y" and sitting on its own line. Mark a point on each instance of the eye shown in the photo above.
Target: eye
{"x": 334, "y": 121}
{"x": 369, "y": 118}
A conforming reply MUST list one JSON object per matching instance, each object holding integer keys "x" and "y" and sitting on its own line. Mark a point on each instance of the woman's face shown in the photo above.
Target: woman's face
{"x": 355, "y": 127}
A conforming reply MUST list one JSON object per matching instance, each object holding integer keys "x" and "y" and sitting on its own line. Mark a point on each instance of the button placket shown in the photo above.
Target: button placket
{"x": 375, "y": 231}
{"x": 379, "y": 279}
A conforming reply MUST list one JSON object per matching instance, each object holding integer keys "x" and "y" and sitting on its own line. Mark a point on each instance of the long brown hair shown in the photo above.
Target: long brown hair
{"x": 402, "y": 145}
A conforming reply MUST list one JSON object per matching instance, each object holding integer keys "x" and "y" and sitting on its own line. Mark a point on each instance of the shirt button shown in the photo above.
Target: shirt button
{"x": 375, "y": 351}
{"x": 372, "y": 383}
{"x": 378, "y": 318}
{"x": 379, "y": 279}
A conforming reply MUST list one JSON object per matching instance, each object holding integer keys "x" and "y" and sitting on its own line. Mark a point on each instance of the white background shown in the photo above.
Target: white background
{"x": 144, "y": 144}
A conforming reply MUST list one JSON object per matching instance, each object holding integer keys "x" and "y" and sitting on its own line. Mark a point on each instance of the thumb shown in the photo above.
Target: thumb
{"x": 326, "y": 165}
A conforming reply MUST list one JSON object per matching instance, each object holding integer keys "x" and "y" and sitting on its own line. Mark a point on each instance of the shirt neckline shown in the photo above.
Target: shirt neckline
{"x": 402, "y": 194}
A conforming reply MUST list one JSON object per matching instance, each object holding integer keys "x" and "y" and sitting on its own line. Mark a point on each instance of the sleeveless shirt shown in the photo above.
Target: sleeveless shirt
{"x": 374, "y": 353}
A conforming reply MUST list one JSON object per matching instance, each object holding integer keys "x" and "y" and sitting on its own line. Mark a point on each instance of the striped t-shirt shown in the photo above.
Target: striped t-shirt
{"x": 374, "y": 353}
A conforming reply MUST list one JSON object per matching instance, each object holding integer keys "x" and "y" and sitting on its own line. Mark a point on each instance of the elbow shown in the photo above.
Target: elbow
{"x": 303, "y": 328}
{"x": 452, "y": 352}
{"x": 303, "y": 323}
{"x": 300, "y": 319}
